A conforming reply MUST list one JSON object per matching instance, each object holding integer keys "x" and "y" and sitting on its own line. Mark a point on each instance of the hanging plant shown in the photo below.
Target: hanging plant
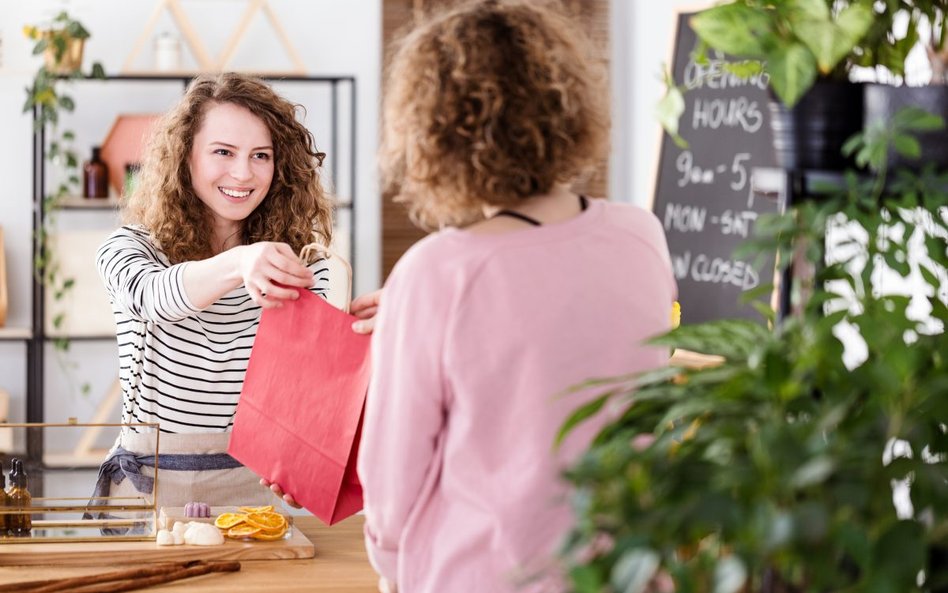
{"x": 61, "y": 41}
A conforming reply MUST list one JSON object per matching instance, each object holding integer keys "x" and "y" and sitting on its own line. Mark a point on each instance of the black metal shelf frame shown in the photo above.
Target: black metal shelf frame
{"x": 35, "y": 345}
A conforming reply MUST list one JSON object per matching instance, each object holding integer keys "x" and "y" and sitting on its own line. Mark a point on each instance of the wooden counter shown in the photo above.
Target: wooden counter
{"x": 340, "y": 566}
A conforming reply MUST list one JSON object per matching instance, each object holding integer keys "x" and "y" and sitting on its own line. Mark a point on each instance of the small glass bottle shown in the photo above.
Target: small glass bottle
{"x": 95, "y": 176}
{"x": 19, "y": 524}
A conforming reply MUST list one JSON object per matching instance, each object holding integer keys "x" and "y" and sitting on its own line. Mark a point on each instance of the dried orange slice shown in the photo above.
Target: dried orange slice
{"x": 265, "y": 509}
{"x": 268, "y": 521}
{"x": 228, "y": 520}
{"x": 242, "y": 531}
{"x": 269, "y": 536}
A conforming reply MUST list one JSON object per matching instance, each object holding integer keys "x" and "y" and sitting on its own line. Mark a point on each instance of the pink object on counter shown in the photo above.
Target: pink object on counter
{"x": 197, "y": 510}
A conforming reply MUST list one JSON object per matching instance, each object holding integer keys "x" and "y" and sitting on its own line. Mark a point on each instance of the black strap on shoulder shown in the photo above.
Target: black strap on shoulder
{"x": 583, "y": 204}
{"x": 519, "y": 216}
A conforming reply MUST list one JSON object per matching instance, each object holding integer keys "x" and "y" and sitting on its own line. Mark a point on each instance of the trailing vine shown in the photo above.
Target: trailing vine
{"x": 61, "y": 42}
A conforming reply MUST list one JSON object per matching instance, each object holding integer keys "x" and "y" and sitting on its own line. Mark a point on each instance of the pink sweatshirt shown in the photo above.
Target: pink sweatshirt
{"x": 477, "y": 338}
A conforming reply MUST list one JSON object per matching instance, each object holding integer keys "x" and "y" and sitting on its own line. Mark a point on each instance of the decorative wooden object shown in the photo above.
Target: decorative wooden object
{"x": 125, "y": 580}
{"x": 85, "y": 453}
{"x": 125, "y": 143}
{"x": 223, "y": 62}
{"x": 203, "y": 58}
{"x": 105, "y": 553}
{"x": 206, "y": 62}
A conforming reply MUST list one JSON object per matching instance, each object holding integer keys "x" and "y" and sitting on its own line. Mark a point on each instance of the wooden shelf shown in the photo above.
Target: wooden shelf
{"x": 79, "y": 203}
{"x": 75, "y": 337}
{"x": 10, "y": 334}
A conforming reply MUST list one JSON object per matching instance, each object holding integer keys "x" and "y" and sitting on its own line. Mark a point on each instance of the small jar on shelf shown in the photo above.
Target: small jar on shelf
{"x": 95, "y": 176}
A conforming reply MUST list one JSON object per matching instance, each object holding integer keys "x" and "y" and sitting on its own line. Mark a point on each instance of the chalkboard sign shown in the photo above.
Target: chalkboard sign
{"x": 703, "y": 194}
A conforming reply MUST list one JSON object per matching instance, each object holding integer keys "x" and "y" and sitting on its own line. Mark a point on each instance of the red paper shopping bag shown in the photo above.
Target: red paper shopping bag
{"x": 299, "y": 418}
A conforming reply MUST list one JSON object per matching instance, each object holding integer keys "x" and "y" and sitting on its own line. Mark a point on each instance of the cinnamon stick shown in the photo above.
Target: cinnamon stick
{"x": 129, "y": 580}
{"x": 65, "y": 583}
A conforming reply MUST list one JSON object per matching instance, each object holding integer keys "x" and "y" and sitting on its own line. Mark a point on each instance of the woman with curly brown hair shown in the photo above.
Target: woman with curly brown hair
{"x": 229, "y": 194}
{"x": 490, "y": 111}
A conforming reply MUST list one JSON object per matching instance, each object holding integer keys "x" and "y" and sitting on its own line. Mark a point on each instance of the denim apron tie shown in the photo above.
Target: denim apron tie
{"x": 122, "y": 464}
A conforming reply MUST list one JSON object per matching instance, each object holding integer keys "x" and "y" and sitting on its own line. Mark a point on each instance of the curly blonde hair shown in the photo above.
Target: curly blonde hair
{"x": 164, "y": 200}
{"x": 489, "y": 103}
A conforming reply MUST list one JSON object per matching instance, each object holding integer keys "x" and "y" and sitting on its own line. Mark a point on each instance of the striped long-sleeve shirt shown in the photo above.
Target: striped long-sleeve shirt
{"x": 179, "y": 366}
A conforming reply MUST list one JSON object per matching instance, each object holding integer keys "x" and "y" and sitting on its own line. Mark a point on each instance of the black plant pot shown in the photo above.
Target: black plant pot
{"x": 884, "y": 101}
{"x": 812, "y": 134}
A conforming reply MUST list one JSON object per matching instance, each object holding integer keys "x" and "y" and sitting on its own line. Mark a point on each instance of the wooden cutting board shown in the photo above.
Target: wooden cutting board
{"x": 107, "y": 553}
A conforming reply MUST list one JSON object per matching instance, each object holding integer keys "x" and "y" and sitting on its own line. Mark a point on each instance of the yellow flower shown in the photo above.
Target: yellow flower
{"x": 31, "y": 32}
{"x": 676, "y": 314}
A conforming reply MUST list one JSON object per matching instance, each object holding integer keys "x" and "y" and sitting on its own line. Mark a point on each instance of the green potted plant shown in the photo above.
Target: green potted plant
{"x": 808, "y": 49}
{"x": 801, "y": 462}
{"x": 61, "y": 41}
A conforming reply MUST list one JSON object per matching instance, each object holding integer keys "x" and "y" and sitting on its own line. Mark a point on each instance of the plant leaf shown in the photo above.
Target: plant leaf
{"x": 792, "y": 71}
{"x": 907, "y": 146}
{"x": 917, "y": 119}
{"x": 632, "y": 572}
{"x": 810, "y": 10}
{"x": 824, "y": 43}
{"x": 735, "y": 29}
{"x": 668, "y": 111}
{"x": 829, "y": 40}
{"x": 813, "y": 472}
{"x": 585, "y": 411}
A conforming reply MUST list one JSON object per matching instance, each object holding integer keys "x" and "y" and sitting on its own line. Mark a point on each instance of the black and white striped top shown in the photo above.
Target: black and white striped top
{"x": 178, "y": 366}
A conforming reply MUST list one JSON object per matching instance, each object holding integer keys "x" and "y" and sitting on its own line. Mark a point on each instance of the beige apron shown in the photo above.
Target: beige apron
{"x": 217, "y": 487}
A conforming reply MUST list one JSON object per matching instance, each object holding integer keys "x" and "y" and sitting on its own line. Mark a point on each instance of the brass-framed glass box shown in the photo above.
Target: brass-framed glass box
{"x": 34, "y": 509}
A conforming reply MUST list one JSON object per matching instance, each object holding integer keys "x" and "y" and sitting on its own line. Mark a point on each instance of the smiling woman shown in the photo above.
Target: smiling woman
{"x": 229, "y": 193}
{"x": 231, "y": 168}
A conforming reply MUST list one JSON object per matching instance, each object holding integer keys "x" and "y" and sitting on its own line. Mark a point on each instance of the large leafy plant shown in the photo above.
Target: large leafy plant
{"x": 796, "y": 42}
{"x": 776, "y": 469}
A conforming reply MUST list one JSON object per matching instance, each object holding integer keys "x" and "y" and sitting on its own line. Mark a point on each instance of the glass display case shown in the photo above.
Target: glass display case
{"x": 52, "y": 500}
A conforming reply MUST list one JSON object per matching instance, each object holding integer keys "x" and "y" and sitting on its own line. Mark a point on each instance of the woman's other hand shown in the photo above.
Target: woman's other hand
{"x": 287, "y": 498}
{"x": 272, "y": 272}
{"x": 366, "y": 307}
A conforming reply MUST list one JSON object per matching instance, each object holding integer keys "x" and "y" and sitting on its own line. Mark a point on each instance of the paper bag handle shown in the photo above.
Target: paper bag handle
{"x": 316, "y": 249}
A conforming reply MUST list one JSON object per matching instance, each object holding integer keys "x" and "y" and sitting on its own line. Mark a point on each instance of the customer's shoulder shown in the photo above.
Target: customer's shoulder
{"x": 445, "y": 253}
{"x": 633, "y": 219}
{"x": 629, "y": 213}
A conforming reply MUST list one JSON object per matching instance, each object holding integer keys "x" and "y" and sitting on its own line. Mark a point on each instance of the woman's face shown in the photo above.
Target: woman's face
{"x": 231, "y": 165}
